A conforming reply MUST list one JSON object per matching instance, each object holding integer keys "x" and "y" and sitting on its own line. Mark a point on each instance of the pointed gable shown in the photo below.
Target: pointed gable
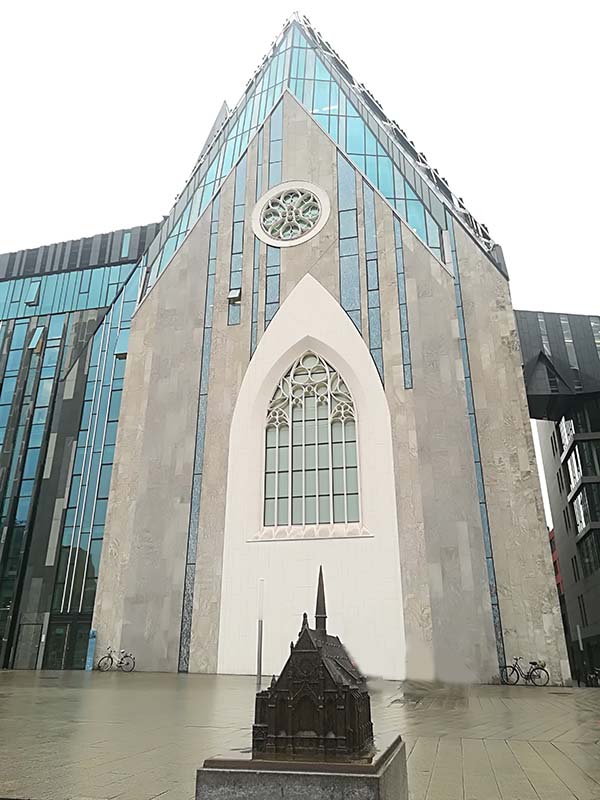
{"x": 302, "y": 62}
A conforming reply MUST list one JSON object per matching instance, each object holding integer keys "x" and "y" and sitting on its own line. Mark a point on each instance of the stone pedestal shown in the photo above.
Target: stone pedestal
{"x": 239, "y": 777}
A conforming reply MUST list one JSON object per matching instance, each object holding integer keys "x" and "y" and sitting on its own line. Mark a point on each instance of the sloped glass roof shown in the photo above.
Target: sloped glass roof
{"x": 303, "y": 63}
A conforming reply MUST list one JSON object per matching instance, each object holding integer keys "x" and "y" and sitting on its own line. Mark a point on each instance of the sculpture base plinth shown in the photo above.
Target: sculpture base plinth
{"x": 237, "y": 776}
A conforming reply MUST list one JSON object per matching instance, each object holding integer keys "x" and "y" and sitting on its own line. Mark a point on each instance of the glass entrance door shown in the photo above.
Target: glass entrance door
{"x": 28, "y": 645}
{"x": 67, "y": 644}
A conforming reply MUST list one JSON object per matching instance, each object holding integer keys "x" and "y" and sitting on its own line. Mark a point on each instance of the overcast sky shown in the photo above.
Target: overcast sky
{"x": 105, "y": 106}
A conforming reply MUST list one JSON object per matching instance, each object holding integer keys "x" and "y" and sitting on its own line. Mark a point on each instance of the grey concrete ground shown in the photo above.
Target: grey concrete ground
{"x": 140, "y": 736}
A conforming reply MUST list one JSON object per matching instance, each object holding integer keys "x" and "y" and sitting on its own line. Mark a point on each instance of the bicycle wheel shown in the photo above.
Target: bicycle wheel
{"x": 127, "y": 663}
{"x": 509, "y": 675}
{"x": 539, "y": 676}
{"x": 105, "y": 663}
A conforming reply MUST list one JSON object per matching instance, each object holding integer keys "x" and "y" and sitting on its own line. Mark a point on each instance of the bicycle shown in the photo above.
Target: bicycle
{"x": 124, "y": 661}
{"x": 593, "y": 678}
{"x": 537, "y": 673}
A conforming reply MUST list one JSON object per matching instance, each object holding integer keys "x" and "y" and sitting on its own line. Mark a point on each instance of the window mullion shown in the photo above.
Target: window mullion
{"x": 330, "y": 448}
{"x": 303, "y": 501}
{"x": 317, "y": 498}
{"x": 344, "y": 470}
{"x": 276, "y": 511}
{"x": 290, "y": 452}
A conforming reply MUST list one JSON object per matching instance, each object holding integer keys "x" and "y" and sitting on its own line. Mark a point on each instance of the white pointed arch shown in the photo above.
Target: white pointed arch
{"x": 362, "y": 555}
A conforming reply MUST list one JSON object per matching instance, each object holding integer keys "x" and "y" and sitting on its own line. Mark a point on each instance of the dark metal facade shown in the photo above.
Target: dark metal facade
{"x": 561, "y": 364}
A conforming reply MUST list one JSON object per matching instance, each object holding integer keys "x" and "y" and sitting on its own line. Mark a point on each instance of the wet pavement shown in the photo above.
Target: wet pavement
{"x": 101, "y": 736}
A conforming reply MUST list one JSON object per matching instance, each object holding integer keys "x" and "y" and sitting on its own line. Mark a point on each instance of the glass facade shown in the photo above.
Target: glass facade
{"x": 348, "y": 241}
{"x": 318, "y": 83}
{"x": 61, "y": 292}
{"x": 194, "y": 522}
{"x": 85, "y": 515}
{"x": 237, "y": 245}
{"x": 256, "y": 250}
{"x": 595, "y": 326}
{"x": 589, "y": 553}
{"x": 544, "y": 335}
{"x": 272, "y": 283}
{"x": 403, "y": 306}
{"x": 50, "y": 324}
{"x": 370, "y": 230}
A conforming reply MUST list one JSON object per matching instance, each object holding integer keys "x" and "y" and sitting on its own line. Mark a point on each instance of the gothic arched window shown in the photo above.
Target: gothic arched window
{"x": 311, "y": 466}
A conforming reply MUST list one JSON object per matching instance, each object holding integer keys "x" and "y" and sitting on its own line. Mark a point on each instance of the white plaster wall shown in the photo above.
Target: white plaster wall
{"x": 362, "y": 573}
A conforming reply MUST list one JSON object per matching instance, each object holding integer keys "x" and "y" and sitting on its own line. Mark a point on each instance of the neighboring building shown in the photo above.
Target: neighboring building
{"x": 322, "y": 368}
{"x": 561, "y": 363}
{"x": 64, "y": 312}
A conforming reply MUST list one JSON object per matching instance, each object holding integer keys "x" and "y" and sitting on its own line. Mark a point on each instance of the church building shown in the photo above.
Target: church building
{"x": 322, "y": 367}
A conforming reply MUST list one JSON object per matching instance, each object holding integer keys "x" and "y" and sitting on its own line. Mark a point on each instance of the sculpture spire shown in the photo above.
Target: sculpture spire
{"x": 321, "y": 613}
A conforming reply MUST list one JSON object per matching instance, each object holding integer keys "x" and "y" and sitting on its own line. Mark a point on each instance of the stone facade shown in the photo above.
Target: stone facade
{"x": 409, "y": 581}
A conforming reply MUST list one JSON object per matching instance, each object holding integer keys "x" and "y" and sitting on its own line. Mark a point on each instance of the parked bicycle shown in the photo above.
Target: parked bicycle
{"x": 121, "y": 660}
{"x": 593, "y": 678}
{"x": 537, "y": 673}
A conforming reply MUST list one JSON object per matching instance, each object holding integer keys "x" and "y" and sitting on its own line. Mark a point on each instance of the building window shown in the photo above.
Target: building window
{"x": 544, "y": 335}
{"x": 290, "y": 214}
{"x": 575, "y": 567}
{"x": 234, "y": 311}
{"x": 582, "y": 611}
{"x": 567, "y": 431}
{"x": 595, "y": 323}
{"x": 589, "y": 553}
{"x": 311, "y": 460}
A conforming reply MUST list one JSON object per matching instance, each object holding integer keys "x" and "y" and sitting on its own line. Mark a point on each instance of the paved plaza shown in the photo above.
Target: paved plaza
{"x": 140, "y": 736}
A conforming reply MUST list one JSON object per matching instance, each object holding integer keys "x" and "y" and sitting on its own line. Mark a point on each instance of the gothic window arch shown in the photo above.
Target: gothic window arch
{"x": 311, "y": 457}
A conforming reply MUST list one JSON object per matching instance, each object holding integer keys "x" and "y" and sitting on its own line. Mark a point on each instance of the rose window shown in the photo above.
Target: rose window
{"x": 290, "y": 214}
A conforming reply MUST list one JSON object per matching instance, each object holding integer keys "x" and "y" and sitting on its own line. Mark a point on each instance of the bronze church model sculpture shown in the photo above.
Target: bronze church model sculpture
{"x": 319, "y": 707}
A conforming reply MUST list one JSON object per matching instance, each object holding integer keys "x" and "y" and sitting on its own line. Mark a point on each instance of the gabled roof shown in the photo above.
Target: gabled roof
{"x": 304, "y": 63}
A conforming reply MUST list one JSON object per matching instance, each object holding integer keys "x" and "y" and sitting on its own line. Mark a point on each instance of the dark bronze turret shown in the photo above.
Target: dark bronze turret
{"x": 319, "y": 707}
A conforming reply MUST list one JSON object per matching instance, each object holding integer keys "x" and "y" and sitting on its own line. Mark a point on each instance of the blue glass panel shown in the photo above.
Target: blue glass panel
{"x": 321, "y": 96}
{"x": 350, "y": 284}
{"x": 433, "y": 232}
{"x": 349, "y": 247}
{"x": 51, "y": 356}
{"x": 415, "y": 215}
{"x": 348, "y": 227}
{"x": 370, "y": 141}
{"x": 44, "y": 392}
{"x": 8, "y": 390}
{"x": 125, "y": 244}
{"x": 104, "y": 481}
{"x": 355, "y": 135}
{"x": 13, "y": 361}
{"x": 114, "y": 407}
{"x": 18, "y": 337}
{"x": 272, "y": 291}
{"x": 386, "y": 180}
{"x": 33, "y": 293}
{"x": 234, "y": 314}
{"x": 374, "y": 328}
{"x": 31, "y": 461}
{"x": 22, "y": 510}
{"x": 35, "y": 338}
